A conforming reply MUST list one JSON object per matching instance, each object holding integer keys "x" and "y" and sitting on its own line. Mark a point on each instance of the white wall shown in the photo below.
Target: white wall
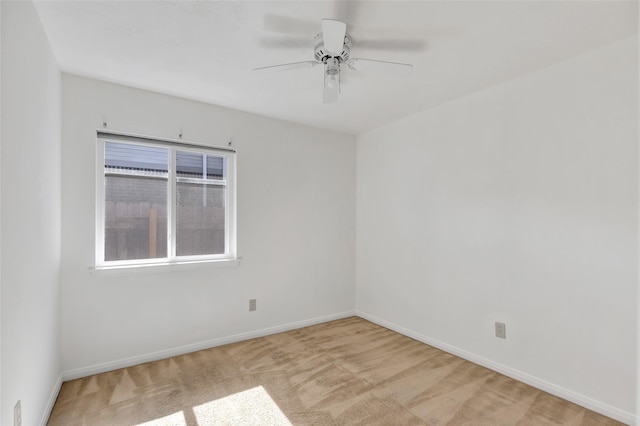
{"x": 296, "y": 232}
{"x": 30, "y": 215}
{"x": 515, "y": 204}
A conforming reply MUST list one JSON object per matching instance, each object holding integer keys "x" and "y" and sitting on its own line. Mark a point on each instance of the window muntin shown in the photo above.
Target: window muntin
{"x": 163, "y": 203}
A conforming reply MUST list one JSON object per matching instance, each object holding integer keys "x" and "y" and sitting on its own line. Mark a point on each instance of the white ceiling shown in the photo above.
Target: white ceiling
{"x": 206, "y": 50}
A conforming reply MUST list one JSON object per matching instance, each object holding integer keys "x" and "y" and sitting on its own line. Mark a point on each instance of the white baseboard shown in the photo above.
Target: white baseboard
{"x": 584, "y": 401}
{"x": 167, "y": 353}
{"x": 52, "y": 400}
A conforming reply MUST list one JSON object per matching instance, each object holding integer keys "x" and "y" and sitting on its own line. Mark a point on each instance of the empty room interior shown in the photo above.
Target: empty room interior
{"x": 319, "y": 212}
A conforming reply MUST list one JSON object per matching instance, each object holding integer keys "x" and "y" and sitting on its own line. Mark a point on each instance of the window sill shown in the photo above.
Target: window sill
{"x": 152, "y": 268}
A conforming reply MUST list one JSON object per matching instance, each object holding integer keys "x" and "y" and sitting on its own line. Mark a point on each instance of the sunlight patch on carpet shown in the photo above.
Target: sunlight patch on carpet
{"x": 175, "y": 419}
{"x": 251, "y": 407}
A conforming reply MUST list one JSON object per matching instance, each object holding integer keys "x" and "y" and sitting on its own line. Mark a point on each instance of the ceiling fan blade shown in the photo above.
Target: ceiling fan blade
{"x": 407, "y": 45}
{"x": 287, "y": 67}
{"x": 392, "y": 69}
{"x": 330, "y": 94}
{"x": 347, "y": 10}
{"x": 289, "y": 25}
{"x": 333, "y": 33}
{"x": 286, "y": 43}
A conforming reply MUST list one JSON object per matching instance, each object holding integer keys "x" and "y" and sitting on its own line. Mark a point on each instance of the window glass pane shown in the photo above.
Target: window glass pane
{"x": 135, "y": 202}
{"x": 121, "y": 156}
{"x": 215, "y": 167}
{"x": 189, "y": 164}
{"x": 200, "y": 211}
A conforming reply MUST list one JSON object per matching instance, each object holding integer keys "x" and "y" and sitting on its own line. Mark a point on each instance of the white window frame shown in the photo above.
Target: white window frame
{"x": 230, "y": 253}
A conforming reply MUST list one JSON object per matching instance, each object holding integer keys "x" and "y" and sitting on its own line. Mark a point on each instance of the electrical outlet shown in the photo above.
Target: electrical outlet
{"x": 252, "y": 305}
{"x": 501, "y": 330}
{"x": 17, "y": 414}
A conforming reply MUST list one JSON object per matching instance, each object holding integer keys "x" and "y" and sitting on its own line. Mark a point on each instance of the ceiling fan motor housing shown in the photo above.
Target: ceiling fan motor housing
{"x": 322, "y": 55}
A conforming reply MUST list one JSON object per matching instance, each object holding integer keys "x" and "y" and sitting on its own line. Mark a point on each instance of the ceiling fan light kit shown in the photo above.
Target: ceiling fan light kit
{"x": 332, "y": 73}
{"x": 332, "y": 47}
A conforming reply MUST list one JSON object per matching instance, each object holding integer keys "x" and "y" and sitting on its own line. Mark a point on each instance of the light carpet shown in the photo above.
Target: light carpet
{"x": 345, "y": 372}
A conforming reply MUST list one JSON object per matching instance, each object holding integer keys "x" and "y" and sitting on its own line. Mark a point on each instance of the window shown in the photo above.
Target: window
{"x": 163, "y": 202}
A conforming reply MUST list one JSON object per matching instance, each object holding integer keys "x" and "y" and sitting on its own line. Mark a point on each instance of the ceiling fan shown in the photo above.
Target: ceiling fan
{"x": 332, "y": 48}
